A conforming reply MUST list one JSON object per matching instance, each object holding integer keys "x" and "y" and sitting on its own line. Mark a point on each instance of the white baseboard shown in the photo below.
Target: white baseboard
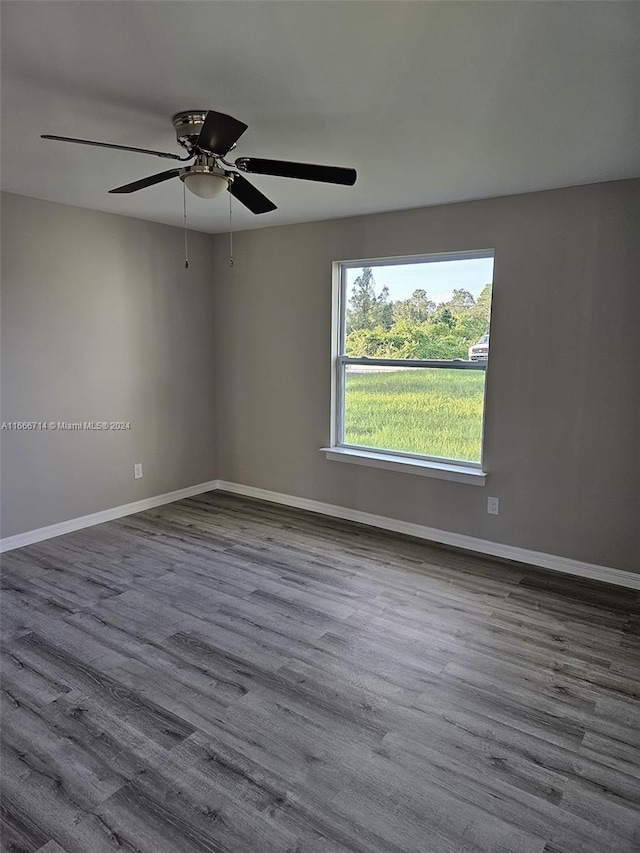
{"x": 9, "y": 543}
{"x": 419, "y": 531}
{"x": 445, "y": 537}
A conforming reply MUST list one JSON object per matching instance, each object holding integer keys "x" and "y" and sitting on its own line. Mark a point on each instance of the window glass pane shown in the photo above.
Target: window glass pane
{"x": 428, "y": 411}
{"x": 436, "y": 309}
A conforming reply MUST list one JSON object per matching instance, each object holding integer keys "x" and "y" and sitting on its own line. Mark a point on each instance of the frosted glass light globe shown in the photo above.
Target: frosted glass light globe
{"x": 205, "y": 184}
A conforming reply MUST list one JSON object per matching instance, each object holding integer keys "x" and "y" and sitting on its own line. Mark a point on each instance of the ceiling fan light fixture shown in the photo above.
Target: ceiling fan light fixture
{"x": 205, "y": 184}
{"x": 208, "y": 136}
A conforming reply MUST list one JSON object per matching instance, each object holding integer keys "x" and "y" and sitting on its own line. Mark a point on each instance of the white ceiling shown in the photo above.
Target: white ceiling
{"x": 431, "y": 101}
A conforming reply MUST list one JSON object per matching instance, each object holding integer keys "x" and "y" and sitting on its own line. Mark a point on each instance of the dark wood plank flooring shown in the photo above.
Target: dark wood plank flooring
{"x": 229, "y": 676}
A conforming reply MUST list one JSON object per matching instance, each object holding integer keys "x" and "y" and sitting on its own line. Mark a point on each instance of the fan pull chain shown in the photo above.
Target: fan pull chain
{"x": 184, "y": 216}
{"x": 230, "y": 235}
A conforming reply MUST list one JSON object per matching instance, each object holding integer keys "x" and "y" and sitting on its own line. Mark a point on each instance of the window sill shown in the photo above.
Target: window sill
{"x": 423, "y": 467}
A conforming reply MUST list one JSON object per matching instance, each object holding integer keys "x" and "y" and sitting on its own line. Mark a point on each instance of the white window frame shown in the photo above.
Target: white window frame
{"x": 448, "y": 469}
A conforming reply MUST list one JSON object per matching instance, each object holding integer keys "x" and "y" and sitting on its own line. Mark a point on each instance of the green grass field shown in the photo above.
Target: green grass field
{"x": 435, "y": 412}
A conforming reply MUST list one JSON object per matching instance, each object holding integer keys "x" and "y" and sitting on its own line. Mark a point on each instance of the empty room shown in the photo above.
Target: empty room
{"x": 320, "y": 440}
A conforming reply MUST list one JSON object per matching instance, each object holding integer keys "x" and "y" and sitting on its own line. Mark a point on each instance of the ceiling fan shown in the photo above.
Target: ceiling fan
{"x": 207, "y": 137}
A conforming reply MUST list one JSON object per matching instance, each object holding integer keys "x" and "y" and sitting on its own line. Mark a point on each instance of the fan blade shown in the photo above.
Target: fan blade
{"x": 304, "y": 171}
{"x": 118, "y": 147}
{"x": 147, "y": 182}
{"x": 219, "y": 133}
{"x": 249, "y": 195}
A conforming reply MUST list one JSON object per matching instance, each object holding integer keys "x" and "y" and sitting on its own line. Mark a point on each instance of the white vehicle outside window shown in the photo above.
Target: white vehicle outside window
{"x": 480, "y": 350}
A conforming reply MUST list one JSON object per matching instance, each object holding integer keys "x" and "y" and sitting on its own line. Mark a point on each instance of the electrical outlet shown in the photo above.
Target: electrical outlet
{"x": 137, "y": 471}
{"x": 493, "y": 506}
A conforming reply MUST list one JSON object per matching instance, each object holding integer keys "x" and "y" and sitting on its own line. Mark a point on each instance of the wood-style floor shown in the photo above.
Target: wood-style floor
{"x": 228, "y": 676}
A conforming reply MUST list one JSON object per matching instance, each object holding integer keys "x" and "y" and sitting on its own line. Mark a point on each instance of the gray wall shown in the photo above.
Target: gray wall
{"x": 100, "y": 321}
{"x": 562, "y": 414}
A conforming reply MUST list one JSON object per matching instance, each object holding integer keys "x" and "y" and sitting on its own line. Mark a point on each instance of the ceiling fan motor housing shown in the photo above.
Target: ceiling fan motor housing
{"x": 188, "y": 125}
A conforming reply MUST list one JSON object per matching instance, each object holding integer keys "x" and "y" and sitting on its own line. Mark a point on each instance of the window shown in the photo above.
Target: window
{"x": 411, "y": 348}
